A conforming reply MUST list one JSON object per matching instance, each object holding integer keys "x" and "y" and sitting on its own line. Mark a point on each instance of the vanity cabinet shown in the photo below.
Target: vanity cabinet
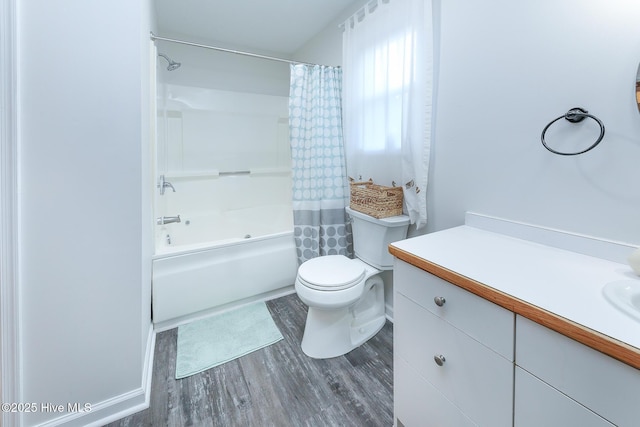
{"x": 453, "y": 354}
{"x": 460, "y": 361}
{"x": 517, "y": 317}
{"x": 558, "y": 379}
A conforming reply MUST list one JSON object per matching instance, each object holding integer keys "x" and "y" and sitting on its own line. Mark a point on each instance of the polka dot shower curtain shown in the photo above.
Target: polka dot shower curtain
{"x": 320, "y": 188}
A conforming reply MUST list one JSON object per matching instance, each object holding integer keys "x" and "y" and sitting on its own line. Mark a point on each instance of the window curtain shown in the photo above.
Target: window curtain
{"x": 388, "y": 79}
{"x": 320, "y": 187}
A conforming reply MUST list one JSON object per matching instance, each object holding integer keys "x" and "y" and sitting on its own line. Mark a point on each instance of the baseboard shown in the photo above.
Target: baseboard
{"x": 119, "y": 406}
{"x": 388, "y": 311}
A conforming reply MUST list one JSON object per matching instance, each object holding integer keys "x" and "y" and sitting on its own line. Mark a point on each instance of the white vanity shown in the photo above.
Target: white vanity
{"x": 504, "y": 324}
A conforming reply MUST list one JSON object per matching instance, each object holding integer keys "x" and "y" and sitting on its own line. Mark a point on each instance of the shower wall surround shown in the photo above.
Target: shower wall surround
{"x": 222, "y": 150}
{"x": 209, "y": 131}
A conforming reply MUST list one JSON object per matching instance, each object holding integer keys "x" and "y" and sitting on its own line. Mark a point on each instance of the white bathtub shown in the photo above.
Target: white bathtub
{"x": 208, "y": 262}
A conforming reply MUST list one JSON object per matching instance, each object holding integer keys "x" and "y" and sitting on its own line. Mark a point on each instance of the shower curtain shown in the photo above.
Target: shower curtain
{"x": 320, "y": 188}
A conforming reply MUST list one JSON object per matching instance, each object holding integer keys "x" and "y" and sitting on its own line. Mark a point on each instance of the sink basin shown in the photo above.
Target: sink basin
{"x": 625, "y": 296}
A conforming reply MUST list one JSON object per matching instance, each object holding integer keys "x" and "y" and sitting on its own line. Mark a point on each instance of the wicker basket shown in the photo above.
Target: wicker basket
{"x": 376, "y": 200}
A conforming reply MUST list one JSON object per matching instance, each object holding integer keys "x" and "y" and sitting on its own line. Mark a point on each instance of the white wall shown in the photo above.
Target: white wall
{"x": 84, "y": 237}
{"x": 506, "y": 70}
{"x": 326, "y": 47}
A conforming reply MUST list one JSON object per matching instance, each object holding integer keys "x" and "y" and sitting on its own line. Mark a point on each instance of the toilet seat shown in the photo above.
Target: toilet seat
{"x": 331, "y": 273}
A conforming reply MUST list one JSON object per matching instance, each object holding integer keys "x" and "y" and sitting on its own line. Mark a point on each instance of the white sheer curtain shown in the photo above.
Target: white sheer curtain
{"x": 388, "y": 80}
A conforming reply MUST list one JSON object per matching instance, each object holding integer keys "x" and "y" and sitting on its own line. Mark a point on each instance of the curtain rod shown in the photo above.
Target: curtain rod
{"x": 221, "y": 49}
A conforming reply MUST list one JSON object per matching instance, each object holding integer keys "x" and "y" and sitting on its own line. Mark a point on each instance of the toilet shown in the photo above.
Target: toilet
{"x": 346, "y": 296}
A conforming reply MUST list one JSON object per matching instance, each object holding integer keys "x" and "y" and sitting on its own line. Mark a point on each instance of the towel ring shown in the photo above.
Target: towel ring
{"x": 575, "y": 115}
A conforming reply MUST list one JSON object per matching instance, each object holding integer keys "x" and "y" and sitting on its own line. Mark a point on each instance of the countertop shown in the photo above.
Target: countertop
{"x": 555, "y": 287}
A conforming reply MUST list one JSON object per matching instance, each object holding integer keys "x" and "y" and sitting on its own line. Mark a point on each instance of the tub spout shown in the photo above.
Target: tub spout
{"x": 167, "y": 219}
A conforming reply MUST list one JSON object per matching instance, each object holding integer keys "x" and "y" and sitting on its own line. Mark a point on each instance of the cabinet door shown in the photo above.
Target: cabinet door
{"x": 476, "y": 379}
{"x": 537, "y": 404}
{"x": 606, "y": 386}
{"x": 419, "y": 404}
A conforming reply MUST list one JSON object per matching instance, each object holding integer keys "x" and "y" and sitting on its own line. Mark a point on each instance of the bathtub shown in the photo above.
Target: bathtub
{"x": 208, "y": 262}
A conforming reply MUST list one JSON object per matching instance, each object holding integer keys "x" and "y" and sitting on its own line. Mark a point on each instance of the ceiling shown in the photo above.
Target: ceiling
{"x": 277, "y": 26}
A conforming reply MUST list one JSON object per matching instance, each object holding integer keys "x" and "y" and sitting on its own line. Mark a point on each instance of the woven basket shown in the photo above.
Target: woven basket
{"x": 376, "y": 200}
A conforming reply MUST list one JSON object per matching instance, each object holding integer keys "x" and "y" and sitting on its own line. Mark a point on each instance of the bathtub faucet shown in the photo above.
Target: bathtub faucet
{"x": 164, "y": 184}
{"x": 167, "y": 219}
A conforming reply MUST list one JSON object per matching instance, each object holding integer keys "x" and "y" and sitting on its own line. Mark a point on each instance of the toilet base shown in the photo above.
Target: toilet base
{"x": 335, "y": 332}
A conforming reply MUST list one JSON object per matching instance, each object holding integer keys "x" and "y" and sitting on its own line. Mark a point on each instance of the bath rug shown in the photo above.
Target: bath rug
{"x": 210, "y": 342}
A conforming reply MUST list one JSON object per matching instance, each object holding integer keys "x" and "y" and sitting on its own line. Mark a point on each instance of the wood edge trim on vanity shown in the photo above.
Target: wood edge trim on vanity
{"x": 611, "y": 347}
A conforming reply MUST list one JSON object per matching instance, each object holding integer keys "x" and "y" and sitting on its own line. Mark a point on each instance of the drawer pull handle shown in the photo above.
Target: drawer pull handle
{"x": 439, "y": 301}
{"x": 439, "y": 359}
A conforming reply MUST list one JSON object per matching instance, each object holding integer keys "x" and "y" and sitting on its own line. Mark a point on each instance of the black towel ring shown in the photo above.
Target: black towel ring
{"x": 575, "y": 115}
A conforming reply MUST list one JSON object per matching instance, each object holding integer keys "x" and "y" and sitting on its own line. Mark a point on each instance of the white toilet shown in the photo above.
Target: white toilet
{"x": 346, "y": 296}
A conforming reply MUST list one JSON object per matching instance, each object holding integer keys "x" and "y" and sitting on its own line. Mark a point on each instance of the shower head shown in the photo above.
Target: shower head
{"x": 172, "y": 64}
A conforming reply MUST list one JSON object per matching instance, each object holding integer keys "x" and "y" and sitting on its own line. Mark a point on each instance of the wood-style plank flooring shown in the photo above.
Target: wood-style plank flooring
{"x": 275, "y": 386}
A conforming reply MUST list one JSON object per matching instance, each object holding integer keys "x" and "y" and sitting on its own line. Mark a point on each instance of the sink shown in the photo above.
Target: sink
{"x": 625, "y": 296}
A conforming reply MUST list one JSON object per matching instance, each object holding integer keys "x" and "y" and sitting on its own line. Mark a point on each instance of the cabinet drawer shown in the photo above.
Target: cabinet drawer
{"x": 485, "y": 321}
{"x": 475, "y": 378}
{"x": 537, "y": 404}
{"x": 608, "y": 387}
{"x": 418, "y": 403}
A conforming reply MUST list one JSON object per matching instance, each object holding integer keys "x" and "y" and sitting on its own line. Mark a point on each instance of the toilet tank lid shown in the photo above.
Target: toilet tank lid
{"x": 391, "y": 221}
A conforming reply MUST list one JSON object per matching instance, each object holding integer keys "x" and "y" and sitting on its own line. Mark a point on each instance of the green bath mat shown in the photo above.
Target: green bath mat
{"x": 210, "y": 342}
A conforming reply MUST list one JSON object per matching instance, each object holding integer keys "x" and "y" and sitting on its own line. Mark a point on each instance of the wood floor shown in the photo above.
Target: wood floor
{"x": 275, "y": 386}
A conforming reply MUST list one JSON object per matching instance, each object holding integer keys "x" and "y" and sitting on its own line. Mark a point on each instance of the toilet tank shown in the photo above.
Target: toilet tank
{"x": 371, "y": 237}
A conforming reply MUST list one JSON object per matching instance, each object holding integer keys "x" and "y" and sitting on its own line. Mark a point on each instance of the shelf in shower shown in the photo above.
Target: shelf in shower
{"x": 220, "y": 174}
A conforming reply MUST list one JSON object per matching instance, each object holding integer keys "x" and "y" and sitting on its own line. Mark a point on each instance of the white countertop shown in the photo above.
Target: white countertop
{"x": 560, "y": 281}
